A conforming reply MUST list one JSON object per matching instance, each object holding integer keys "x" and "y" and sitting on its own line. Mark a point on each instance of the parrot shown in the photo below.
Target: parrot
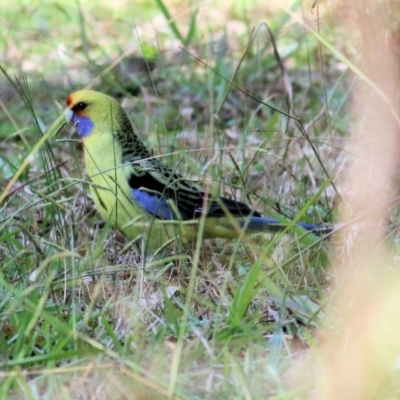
{"x": 143, "y": 198}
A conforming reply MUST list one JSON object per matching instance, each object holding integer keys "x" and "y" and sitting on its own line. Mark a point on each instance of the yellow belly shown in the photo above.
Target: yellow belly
{"x": 112, "y": 197}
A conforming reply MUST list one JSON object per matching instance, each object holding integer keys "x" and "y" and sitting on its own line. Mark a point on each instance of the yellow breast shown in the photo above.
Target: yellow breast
{"x": 113, "y": 197}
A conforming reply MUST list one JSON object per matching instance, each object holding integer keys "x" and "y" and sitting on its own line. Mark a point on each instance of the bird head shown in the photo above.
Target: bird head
{"x": 98, "y": 117}
{"x": 88, "y": 109}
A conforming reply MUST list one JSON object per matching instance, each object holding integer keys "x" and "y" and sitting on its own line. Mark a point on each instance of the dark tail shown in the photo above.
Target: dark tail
{"x": 259, "y": 224}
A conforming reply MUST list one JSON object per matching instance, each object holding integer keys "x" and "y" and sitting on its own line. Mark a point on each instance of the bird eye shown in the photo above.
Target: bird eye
{"x": 80, "y": 106}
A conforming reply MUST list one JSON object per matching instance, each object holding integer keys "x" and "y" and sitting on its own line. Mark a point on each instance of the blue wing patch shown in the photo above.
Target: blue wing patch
{"x": 154, "y": 205}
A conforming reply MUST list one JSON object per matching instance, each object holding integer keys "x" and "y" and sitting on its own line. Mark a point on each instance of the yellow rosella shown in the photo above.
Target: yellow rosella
{"x": 141, "y": 196}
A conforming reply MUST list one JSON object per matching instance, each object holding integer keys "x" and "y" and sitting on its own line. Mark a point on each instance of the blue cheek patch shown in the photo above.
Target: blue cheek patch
{"x": 153, "y": 204}
{"x": 83, "y": 125}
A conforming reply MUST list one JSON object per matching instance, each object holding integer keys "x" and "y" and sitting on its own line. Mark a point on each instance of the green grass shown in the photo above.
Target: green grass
{"x": 81, "y": 313}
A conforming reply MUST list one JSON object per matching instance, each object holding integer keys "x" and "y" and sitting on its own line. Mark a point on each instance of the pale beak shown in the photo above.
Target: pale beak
{"x": 69, "y": 115}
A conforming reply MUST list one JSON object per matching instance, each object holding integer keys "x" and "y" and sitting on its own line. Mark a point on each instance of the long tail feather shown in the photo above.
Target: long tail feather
{"x": 258, "y": 224}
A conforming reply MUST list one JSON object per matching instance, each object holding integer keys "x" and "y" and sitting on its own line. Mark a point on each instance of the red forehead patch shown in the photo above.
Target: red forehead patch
{"x": 69, "y": 100}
